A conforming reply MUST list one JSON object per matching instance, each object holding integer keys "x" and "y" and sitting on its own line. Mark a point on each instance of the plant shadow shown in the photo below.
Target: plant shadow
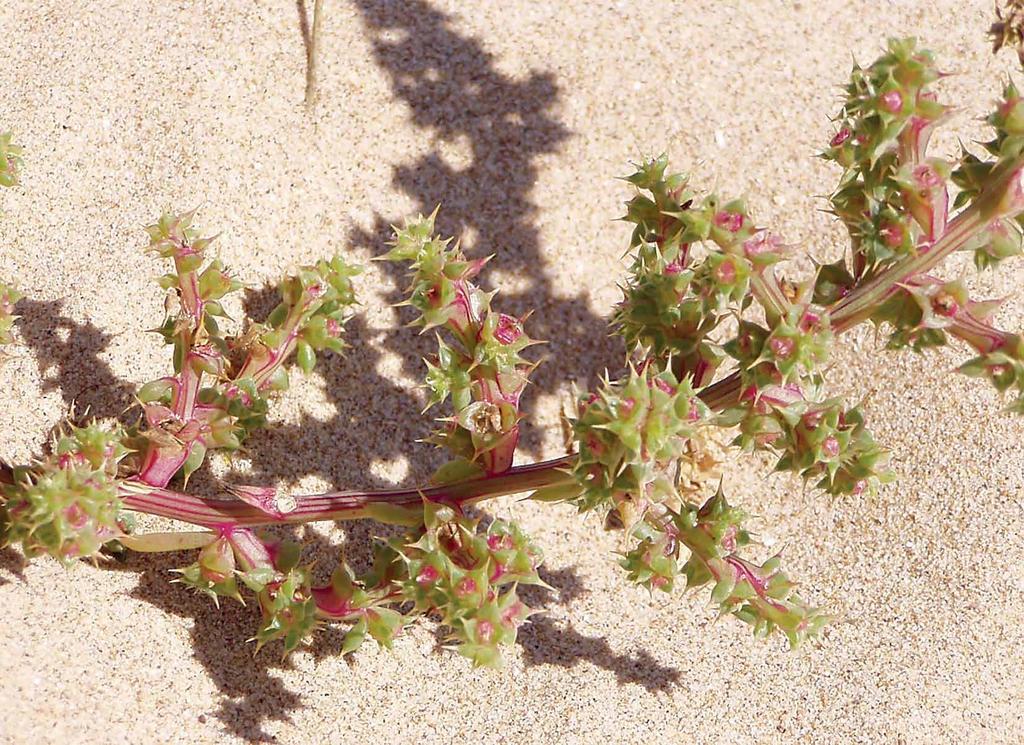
{"x": 457, "y": 96}
{"x": 336, "y": 449}
{"x": 69, "y": 356}
{"x": 252, "y": 694}
{"x": 12, "y": 563}
{"x": 545, "y": 641}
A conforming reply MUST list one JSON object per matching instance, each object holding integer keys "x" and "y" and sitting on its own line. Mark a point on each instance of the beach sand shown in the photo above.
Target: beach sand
{"x": 516, "y": 117}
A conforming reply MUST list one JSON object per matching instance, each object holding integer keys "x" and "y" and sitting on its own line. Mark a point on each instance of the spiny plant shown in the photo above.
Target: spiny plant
{"x": 716, "y": 339}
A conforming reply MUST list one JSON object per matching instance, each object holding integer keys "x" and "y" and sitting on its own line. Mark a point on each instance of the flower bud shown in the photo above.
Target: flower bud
{"x": 1011, "y": 200}
{"x": 891, "y": 102}
{"x": 731, "y": 221}
{"x": 508, "y": 329}
{"x": 217, "y": 561}
{"x": 841, "y": 137}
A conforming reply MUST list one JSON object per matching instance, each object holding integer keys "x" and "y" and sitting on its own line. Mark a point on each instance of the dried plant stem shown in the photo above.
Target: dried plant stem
{"x": 312, "y": 54}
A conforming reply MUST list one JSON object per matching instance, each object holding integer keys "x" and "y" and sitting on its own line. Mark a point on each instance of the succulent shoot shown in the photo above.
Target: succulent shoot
{"x": 717, "y": 339}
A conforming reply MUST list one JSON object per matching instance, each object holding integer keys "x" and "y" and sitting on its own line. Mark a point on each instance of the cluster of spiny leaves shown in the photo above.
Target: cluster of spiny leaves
{"x": 483, "y": 371}
{"x": 890, "y": 193}
{"x": 217, "y": 394}
{"x": 447, "y": 567}
{"x": 893, "y": 197}
{"x": 469, "y": 578}
{"x": 719, "y": 263}
{"x": 711, "y": 534}
{"x": 630, "y": 433}
{"x": 67, "y": 504}
{"x": 698, "y": 260}
{"x": 1001, "y": 356}
{"x": 784, "y": 405}
{"x": 895, "y": 201}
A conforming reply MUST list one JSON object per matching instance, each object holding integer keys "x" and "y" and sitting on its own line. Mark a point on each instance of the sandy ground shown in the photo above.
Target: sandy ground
{"x": 516, "y": 117}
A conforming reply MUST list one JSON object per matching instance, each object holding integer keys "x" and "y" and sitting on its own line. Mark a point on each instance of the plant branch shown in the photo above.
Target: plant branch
{"x": 385, "y": 506}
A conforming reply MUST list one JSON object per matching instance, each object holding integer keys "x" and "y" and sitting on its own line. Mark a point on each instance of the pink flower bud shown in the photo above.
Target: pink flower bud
{"x": 508, "y": 329}
{"x": 233, "y": 391}
{"x": 731, "y": 221}
{"x": 841, "y": 136}
{"x": 466, "y": 587}
{"x": 726, "y": 272}
{"x": 333, "y": 328}
{"x": 428, "y": 575}
{"x": 830, "y": 447}
{"x": 330, "y": 603}
{"x": 664, "y": 386}
{"x": 76, "y": 516}
{"x": 945, "y": 304}
{"x": 892, "y": 101}
{"x": 781, "y": 346}
{"x": 892, "y": 234}
{"x": 497, "y": 542}
{"x": 809, "y": 321}
{"x": 676, "y": 266}
{"x": 484, "y": 631}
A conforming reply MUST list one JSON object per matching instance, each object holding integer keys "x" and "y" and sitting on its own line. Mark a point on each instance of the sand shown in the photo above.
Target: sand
{"x": 516, "y": 117}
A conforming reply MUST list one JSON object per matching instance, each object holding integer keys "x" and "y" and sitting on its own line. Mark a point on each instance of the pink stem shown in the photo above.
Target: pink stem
{"x": 161, "y": 463}
{"x": 260, "y": 365}
{"x": 351, "y": 505}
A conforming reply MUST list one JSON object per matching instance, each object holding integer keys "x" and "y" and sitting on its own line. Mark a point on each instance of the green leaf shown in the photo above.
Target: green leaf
{"x": 355, "y": 637}
{"x": 383, "y": 624}
{"x": 557, "y": 492}
{"x": 455, "y": 471}
{"x": 305, "y": 356}
{"x": 155, "y": 390}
